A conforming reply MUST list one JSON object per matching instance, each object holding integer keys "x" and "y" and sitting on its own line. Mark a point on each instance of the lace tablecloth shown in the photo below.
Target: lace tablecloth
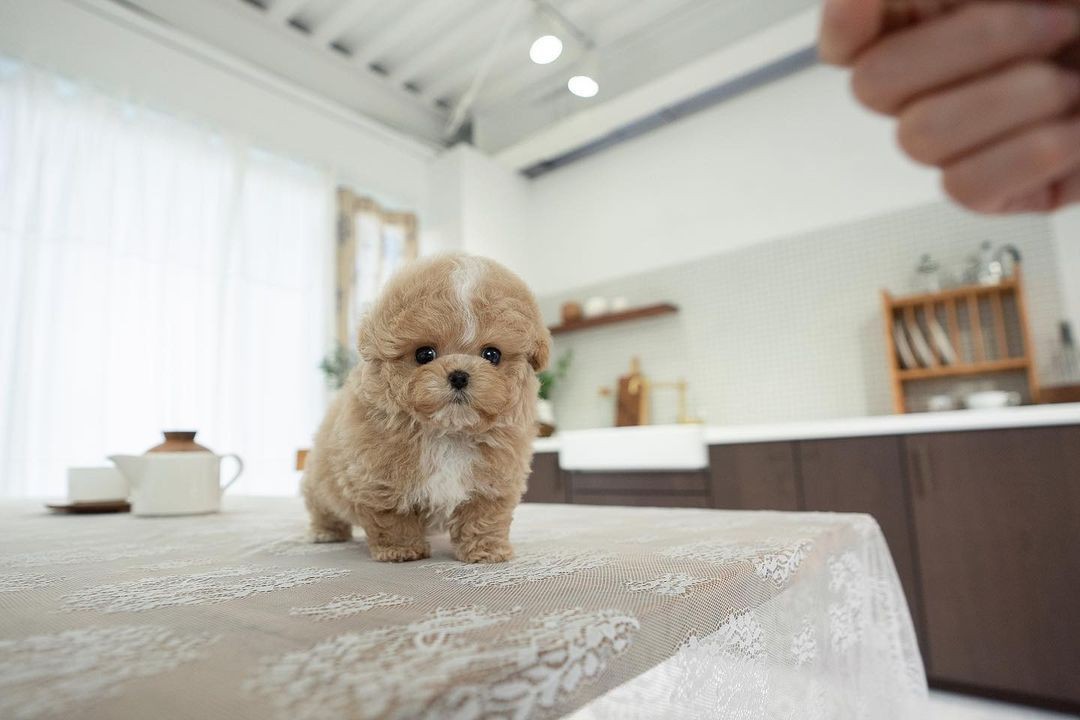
{"x": 605, "y": 613}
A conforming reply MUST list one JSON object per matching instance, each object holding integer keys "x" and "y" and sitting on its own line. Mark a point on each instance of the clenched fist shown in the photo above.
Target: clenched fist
{"x": 986, "y": 90}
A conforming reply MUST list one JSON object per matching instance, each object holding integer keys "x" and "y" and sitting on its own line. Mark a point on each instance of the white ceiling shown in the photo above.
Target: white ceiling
{"x": 410, "y": 63}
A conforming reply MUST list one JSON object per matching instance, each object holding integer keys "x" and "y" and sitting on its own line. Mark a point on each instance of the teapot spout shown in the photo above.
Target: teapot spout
{"x": 130, "y": 466}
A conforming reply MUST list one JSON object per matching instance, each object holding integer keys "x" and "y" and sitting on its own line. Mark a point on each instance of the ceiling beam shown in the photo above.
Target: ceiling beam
{"x": 282, "y": 10}
{"x": 514, "y": 61}
{"x": 483, "y": 21}
{"x": 725, "y": 65}
{"x": 344, "y": 16}
{"x": 247, "y": 32}
{"x": 617, "y": 27}
{"x": 418, "y": 14}
{"x": 454, "y": 82}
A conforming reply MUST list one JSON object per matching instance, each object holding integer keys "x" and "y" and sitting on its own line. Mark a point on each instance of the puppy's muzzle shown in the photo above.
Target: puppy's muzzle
{"x": 458, "y": 379}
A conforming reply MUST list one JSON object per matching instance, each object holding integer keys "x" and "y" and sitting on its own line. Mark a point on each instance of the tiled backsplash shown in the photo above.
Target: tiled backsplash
{"x": 791, "y": 329}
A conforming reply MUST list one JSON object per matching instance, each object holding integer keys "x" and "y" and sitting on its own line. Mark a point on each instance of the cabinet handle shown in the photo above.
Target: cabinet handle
{"x": 921, "y": 472}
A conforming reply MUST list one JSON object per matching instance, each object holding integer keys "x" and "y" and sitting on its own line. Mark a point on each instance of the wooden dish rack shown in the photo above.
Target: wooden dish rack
{"x": 976, "y": 320}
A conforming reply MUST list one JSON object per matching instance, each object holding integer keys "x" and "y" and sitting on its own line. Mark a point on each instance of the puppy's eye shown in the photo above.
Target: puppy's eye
{"x": 425, "y": 355}
{"x": 492, "y": 355}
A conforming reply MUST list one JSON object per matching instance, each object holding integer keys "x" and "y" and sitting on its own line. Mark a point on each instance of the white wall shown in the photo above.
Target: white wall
{"x": 479, "y": 206}
{"x": 788, "y": 158}
{"x": 1066, "y": 226}
{"x": 120, "y": 52}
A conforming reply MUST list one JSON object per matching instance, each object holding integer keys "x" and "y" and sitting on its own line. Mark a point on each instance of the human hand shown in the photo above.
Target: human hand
{"x": 986, "y": 90}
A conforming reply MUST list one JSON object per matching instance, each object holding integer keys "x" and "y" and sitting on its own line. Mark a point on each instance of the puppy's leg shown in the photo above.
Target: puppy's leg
{"x": 325, "y": 526}
{"x": 480, "y": 529}
{"x": 396, "y": 537}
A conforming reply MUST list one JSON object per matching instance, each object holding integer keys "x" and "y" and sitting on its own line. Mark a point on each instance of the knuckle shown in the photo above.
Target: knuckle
{"x": 958, "y": 186}
{"x": 918, "y": 134}
{"x": 868, "y": 84}
{"x": 1047, "y": 147}
{"x": 997, "y": 24}
{"x": 1046, "y": 83}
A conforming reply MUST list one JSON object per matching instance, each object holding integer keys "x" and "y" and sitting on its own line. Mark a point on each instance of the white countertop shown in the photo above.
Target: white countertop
{"x": 1014, "y": 417}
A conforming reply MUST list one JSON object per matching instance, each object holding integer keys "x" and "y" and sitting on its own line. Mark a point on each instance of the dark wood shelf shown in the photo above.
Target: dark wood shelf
{"x": 618, "y": 317}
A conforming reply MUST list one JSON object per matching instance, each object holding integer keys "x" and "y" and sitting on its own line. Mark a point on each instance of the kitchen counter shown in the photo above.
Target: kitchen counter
{"x": 959, "y": 420}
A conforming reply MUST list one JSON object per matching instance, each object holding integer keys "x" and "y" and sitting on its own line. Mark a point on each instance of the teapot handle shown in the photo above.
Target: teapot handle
{"x": 239, "y": 469}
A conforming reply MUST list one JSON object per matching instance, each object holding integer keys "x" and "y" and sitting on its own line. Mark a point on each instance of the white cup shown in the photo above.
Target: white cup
{"x": 95, "y": 484}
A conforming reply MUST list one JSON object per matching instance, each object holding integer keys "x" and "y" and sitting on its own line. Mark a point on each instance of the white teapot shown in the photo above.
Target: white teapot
{"x": 175, "y": 483}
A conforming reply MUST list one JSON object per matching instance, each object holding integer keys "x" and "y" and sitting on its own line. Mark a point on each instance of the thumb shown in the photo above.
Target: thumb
{"x": 848, "y": 26}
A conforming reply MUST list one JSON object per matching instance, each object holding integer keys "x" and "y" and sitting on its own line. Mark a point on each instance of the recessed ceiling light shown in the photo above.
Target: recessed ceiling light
{"x": 545, "y": 49}
{"x": 582, "y": 86}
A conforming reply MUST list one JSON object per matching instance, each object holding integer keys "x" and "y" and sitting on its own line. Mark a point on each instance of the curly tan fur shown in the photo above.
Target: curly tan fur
{"x": 400, "y": 452}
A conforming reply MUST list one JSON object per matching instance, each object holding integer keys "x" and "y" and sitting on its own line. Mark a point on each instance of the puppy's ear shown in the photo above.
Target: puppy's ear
{"x": 541, "y": 350}
{"x": 365, "y": 338}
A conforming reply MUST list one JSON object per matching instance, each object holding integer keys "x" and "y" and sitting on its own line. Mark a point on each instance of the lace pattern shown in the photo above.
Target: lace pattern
{"x": 437, "y": 668}
{"x": 529, "y": 568}
{"x": 50, "y": 675}
{"x": 346, "y": 605}
{"x": 608, "y": 612}
{"x": 215, "y": 586}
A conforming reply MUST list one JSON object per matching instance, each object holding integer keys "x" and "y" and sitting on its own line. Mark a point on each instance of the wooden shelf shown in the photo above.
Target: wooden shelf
{"x": 617, "y": 317}
{"x": 992, "y": 366}
{"x": 960, "y": 293}
{"x": 982, "y": 343}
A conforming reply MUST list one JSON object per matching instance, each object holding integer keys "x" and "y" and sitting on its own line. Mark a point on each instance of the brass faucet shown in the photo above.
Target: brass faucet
{"x": 642, "y": 384}
{"x": 681, "y": 386}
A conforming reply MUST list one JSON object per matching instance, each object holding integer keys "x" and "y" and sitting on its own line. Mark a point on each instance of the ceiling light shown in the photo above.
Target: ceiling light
{"x": 545, "y": 49}
{"x": 583, "y": 86}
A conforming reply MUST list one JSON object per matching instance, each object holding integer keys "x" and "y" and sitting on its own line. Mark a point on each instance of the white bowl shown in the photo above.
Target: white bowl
{"x": 989, "y": 399}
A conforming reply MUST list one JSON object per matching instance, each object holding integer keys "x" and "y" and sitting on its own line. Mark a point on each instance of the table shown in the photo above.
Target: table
{"x": 606, "y": 612}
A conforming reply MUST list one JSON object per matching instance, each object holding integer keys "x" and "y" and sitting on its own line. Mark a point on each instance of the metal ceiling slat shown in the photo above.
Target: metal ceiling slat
{"x": 446, "y": 42}
{"x": 282, "y": 10}
{"x": 418, "y": 14}
{"x": 343, "y": 17}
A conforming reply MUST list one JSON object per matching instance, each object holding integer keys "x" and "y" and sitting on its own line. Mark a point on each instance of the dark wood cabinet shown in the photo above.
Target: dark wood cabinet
{"x": 867, "y": 475}
{"x": 546, "y": 481}
{"x": 997, "y": 522}
{"x": 754, "y": 476}
{"x": 647, "y": 488}
{"x": 983, "y": 526}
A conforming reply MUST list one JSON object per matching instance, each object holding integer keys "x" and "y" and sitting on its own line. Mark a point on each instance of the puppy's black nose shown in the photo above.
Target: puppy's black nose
{"x": 458, "y": 379}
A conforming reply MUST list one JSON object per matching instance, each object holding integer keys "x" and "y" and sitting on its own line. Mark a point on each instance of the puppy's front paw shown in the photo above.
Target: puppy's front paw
{"x": 330, "y": 535}
{"x": 485, "y": 551}
{"x": 400, "y": 553}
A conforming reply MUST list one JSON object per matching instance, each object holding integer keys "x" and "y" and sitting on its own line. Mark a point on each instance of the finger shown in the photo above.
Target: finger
{"x": 987, "y": 180}
{"x": 950, "y": 123}
{"x": 1038, "y": 201}
{"x": 848, "y": 26}
{"x": 975, "y": 39}
{"x": 1067, "y": 191}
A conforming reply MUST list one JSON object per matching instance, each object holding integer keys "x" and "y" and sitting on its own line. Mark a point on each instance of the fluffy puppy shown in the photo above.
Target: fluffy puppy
{"x": 434, "y": 428}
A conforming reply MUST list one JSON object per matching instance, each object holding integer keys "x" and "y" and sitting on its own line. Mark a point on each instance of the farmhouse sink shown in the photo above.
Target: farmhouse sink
{"x": 657, "y": 447}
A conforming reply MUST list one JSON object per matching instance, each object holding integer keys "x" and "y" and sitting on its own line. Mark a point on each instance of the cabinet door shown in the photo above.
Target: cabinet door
{"x": 754, "y": 476}
{"x": 546, "y": 482}
{"x": 997, "y": 524}
{"x": 866, "y": 475}
{"x": 647, "y": 488}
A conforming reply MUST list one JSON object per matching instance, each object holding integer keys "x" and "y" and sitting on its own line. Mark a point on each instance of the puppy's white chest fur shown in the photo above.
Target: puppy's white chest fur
{"x": 447, "y": 466}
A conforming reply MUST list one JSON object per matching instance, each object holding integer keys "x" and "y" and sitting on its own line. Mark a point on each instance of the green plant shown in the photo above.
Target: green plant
{"x": 554, "y": 374}
{"x": 337, "y": 364}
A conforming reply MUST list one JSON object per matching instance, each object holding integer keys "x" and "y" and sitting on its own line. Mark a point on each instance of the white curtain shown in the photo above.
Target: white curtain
{"x": 153, "y": 275}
